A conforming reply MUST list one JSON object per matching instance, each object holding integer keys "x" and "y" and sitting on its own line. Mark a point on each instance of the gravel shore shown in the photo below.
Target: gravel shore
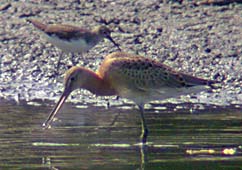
{"x": 202, "y": 40}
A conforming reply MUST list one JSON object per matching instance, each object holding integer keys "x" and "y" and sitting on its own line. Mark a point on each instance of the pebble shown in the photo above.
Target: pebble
{"x": 183, "y": 37}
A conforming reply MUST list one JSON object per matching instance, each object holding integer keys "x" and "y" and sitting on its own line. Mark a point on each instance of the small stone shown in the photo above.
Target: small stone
{"x": 208, "y": 50}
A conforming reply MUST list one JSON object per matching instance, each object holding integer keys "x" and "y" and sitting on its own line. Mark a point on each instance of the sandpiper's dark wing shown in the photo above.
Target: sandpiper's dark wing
{"x": 66, "y": 32}
{"x": 62, "y": 31}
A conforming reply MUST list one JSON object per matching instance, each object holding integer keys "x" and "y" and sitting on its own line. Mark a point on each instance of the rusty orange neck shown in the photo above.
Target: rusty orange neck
{"x": 97, "y": 85}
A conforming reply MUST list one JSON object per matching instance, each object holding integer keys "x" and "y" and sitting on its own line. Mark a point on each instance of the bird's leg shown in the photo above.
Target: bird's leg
{"x": 108, "y": 104}
{"x": 144, "y": 132}
{"x": 115, "y": 119}
{"x": 143, "y": 156}
{"x": 56, "y": 72}
{"x": 58, "y": 63}
{"x": 73, "y": 59}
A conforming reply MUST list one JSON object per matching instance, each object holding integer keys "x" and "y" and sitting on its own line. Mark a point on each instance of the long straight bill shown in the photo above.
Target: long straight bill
{"x": 57, "y": 107}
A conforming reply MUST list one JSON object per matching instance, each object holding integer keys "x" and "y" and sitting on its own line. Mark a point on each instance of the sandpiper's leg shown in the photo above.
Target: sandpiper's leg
{"x": 144, "y": 132}
{"x": 73, "y": 59}
{"x": 58, "y": 63}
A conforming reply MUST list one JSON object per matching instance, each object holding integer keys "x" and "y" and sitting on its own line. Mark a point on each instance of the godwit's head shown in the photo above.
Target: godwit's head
{"x": 76, "y": 77}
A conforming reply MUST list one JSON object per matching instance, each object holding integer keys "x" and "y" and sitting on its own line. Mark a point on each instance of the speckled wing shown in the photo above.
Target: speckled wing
{"x": 141, "y": 73}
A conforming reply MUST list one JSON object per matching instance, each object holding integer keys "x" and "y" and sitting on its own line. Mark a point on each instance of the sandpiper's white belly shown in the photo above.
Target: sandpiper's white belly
{"x": 73, "y": 46}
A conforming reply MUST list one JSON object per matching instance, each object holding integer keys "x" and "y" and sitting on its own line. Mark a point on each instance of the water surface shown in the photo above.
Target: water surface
{"x": 99, "y": 138}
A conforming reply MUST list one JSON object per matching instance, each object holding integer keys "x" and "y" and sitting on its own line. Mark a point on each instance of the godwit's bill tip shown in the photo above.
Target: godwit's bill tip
{"x": 45, "y": 126}
{"x": 57, "y": 107}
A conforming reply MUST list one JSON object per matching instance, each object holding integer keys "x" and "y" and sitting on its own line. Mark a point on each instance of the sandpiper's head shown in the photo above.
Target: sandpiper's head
{"x": 105, "y": 32}
{"x": 76, "y": 77}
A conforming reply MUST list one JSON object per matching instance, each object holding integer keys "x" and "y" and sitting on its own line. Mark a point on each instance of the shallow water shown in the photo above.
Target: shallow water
{"x": 100, "y": 138}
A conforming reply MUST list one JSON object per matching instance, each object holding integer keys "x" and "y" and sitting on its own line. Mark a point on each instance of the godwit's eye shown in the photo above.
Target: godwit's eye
{"x": 73, "y": 78}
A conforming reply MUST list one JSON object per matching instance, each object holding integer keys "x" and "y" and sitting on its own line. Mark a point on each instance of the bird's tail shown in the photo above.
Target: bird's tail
{"x": 194, "y": 81}
{"x": 37, "y": 24}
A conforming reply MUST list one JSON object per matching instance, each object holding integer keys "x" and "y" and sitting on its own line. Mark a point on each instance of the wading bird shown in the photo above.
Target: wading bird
{"x": 133, "y": 77}
{"x": 72, "y": 39}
